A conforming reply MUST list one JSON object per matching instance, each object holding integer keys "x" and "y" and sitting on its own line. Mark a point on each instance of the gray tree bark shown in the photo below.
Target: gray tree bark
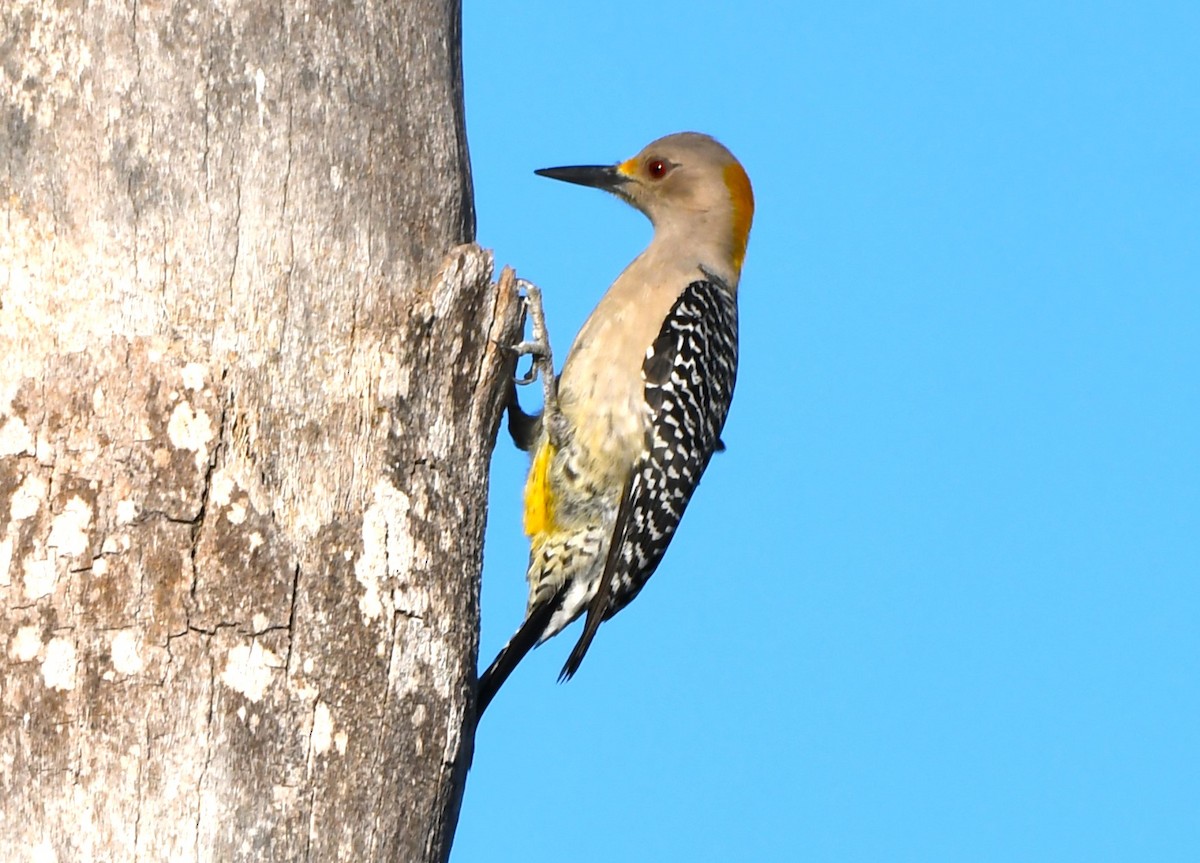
{"x": 249, "y": 386}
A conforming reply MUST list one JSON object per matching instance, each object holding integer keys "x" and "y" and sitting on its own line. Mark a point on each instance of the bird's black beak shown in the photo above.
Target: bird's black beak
{"x": 605, "y": 177}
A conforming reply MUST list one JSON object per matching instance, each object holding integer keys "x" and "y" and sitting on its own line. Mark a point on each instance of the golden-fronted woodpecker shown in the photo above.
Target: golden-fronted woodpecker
{"x": 639, "y": 407}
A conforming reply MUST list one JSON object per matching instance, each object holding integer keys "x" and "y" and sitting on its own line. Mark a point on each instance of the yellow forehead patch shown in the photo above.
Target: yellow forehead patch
{"x": 742, "y": 198}
{"x": 629, "y": 167}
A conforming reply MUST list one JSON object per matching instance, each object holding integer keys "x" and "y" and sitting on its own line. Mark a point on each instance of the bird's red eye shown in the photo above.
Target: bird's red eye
{"x": 656, "y": 168}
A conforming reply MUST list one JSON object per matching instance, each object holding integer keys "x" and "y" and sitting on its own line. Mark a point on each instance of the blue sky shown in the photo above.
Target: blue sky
{"x": 940, "y": 600}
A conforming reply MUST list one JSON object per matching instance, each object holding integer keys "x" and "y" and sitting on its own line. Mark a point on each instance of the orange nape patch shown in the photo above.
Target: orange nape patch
{"x": 539, "y": 497}
{"x": 742, "y": 198}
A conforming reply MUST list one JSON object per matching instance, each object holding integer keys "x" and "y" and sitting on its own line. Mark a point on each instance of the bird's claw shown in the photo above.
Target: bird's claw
{"x": 537, "y": 346}
{"x": 529, "y": 376}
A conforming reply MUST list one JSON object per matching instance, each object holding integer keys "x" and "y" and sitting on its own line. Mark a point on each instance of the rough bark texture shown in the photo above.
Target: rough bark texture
{"x": 248, "y": 391}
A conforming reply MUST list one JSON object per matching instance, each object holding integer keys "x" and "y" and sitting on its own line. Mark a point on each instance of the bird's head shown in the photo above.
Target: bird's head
{"x": 688, "y": 184}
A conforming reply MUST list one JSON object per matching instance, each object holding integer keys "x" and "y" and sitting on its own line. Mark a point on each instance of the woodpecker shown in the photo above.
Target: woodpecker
{"x": 637, "y": 412}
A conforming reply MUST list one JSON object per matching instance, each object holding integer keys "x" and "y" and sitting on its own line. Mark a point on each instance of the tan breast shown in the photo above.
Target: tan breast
{"x": 601, "y": 391}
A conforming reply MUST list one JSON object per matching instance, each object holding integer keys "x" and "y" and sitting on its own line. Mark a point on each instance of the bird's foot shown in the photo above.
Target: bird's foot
{"x": 537, "y": 346}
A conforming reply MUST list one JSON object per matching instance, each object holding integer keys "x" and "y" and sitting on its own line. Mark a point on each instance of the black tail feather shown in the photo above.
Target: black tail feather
{"x": 525, "y": 639}
{"x": 580, "y": 649}
{"x": 597, "y": 611}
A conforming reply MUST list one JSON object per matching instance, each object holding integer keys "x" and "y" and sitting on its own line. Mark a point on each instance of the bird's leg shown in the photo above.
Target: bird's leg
{"x": 537, "y": 346}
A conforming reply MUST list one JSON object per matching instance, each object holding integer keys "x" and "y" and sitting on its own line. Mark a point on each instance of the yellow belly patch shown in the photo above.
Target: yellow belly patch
{"x": 539, "y": 497}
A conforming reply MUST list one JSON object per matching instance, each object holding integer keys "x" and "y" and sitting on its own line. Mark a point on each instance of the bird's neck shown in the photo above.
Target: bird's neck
{"x": 706, "y": 244}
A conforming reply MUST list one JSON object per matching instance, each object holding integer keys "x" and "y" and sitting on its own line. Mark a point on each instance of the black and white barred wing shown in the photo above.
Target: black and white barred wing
{"x": 689, "y": 372}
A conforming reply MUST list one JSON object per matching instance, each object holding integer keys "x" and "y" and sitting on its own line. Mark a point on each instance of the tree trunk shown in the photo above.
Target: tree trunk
{"x": 248, "y": 391}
